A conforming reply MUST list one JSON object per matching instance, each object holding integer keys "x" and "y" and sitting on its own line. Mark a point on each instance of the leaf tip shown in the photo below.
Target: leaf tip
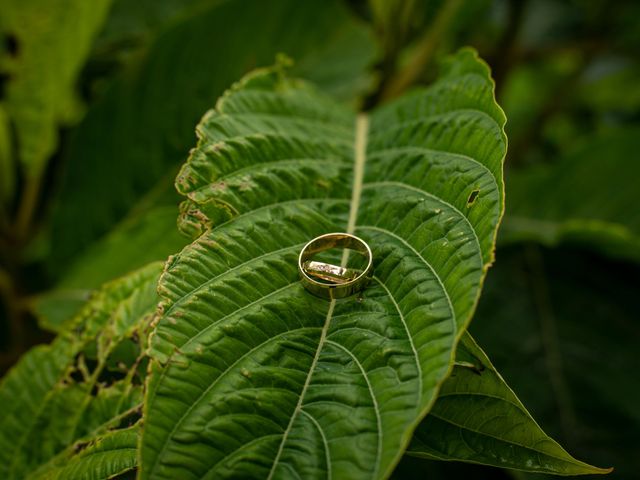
{"x": 599, "y": 471}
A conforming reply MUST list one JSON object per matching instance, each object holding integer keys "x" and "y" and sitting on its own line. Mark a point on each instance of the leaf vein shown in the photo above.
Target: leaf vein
{"x": 424, "y": 260}
{"x": 213, "y": 384}
{"x": 324, "y": 441}
{"x": 436, "y": 198}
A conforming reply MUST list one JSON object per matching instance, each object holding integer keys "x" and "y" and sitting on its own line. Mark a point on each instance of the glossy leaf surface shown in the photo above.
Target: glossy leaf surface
{"x": 253, "y": 376}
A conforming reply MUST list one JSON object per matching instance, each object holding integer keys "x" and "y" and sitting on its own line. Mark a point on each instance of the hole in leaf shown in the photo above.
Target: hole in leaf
{"x": 78, "y": 447}
{"x": 141, "y": 372}
{"x": 76, "y": 376}
{"x": 4, "y": 80}
{"x": 110, "y": 376}
{"x": 132, "y": 418}
{"x": 128, "y": 475}
{"x": 11, "y": 44}
{"x": 472, "y": 197}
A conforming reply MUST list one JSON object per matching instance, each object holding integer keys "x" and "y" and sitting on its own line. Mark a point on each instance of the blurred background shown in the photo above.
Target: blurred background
{"x": 98, "y": 105}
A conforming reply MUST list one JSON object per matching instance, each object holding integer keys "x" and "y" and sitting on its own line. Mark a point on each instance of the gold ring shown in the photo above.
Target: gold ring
{"x": 338, "y": 282}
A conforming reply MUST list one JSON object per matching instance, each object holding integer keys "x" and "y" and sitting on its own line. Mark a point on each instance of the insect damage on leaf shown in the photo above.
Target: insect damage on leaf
{"x": 473, "y": 197}
{"x": 85, "y": 384}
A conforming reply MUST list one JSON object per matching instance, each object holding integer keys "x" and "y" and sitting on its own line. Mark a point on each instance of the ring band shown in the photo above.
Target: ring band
{"x": 344, "y": 281}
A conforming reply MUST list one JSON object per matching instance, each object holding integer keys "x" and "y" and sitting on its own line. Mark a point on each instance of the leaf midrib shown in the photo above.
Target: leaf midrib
{"x": 360, "y": 158}
{"x": 509, "y": 442}
{"x": 213, "y": 384}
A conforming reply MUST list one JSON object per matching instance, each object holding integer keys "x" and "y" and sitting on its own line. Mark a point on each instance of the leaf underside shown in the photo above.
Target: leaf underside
{"x": 251, "y": 375}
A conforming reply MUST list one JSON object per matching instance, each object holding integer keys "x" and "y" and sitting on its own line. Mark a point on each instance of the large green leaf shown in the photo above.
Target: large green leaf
{"x": 49, "y": 42}
{"x": 565, "y": 337}
{"x": 587, "y": 197}
{"x": 86, "y": 382}
{"x": 251, "y": 375}
{"x": 478, "y": 419}
{"x": 141, "y": 128}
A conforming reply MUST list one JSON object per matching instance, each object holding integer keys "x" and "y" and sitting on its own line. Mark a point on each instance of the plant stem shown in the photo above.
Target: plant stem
{"x": 550, "y": 342}
{"x": 505, "y": 53}
{"x": 6, "y": 288}
{"x": 27, "y": 207}
{"x": 8, "y": 297}
{"x": 424, "y": 51}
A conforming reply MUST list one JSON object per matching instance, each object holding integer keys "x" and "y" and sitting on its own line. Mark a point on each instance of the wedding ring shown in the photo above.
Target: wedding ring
{"x": 337, "y": 282}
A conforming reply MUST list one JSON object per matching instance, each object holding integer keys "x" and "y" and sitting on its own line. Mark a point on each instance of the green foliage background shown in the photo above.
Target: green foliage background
{"x": 98, "y": 106}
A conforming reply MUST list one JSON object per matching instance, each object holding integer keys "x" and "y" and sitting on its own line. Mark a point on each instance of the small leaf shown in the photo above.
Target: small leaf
{"x": 565, "y": 338}
{"x": 478, "y": 419}
{"x": 253, "y": 376}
